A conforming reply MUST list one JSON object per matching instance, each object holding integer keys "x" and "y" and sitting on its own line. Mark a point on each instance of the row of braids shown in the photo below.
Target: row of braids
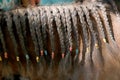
{"x": 110, "y": 35}
{"x": 93, "y": 40}
{"x": 96, "y": 48}
{"x": 97, "y": 18}
{"x": 70, "y": 23}
{"x": 99, "y": 30}
{"x": 106, "y": 21}
{"x": 96, "y": 40}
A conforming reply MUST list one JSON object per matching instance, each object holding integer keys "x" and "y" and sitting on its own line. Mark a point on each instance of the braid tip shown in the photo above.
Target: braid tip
{"x": 6, "y": 55}
{"x": 17, "y": 58}
{"x": 88, "y": 50}
{"x": 96, "y": 45}
{"x": 53, "y": 54}
{"x": 27, "y": 57}
{"x": 77, "y": 51}
{"x": 37, "y": 58}
{"x": 41, "y": 52}
{"x": 63, "y": 55}
{"x": 46, "y": 52}
{"x": 70, "y": 49}
{"x": 104, "y": 40}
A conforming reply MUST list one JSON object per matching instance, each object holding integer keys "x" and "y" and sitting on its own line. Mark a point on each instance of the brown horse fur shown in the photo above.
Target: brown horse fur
{"x": 81, "y": 40}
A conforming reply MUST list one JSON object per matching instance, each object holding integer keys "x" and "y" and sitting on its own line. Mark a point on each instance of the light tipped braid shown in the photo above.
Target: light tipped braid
{"x": 32, "y": 25}
{"x": 62, "y": 15}
{"x": 98, "y": 21}
{"x": 106, "y": 22}
{"x": 38, "y": 32}
{"x": 10, "y": 29}
{"x": 67, "y": 65}
{"x": 51, "y": 29}
{"x": 6, "y": 67}
{"x": 84, "y": 32}
{"x": 69, "y": 27}
{"x": 2, "y": 39}
{"x": 74, "y": 21}
{"x": 43, "y": 20}
{"x": 57, "y": 16}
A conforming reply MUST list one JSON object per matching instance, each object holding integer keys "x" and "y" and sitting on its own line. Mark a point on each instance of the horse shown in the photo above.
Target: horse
{"x": 78, "y": 41}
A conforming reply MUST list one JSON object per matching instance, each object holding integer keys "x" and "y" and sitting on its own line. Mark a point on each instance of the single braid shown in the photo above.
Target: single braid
{"x": 75, "y": 28}
{"x": 43, "y": 19}
{"x": 23, "y": 18}
{"x": 51, "y": 29}
{"x": 69, "y": 27}
{"x": 32, "y": 25}
{"x": 59, "y": 28}
{"x": 62, "y": 15}
{"x": 106, "y": 22}
{"x": 2, "y": 39}
{"x": 38, "y": 30}
{"x": 6, "y": 69}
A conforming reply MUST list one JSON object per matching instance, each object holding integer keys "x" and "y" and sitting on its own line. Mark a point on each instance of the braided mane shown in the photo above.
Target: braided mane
{"x": 68, "y": 42}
